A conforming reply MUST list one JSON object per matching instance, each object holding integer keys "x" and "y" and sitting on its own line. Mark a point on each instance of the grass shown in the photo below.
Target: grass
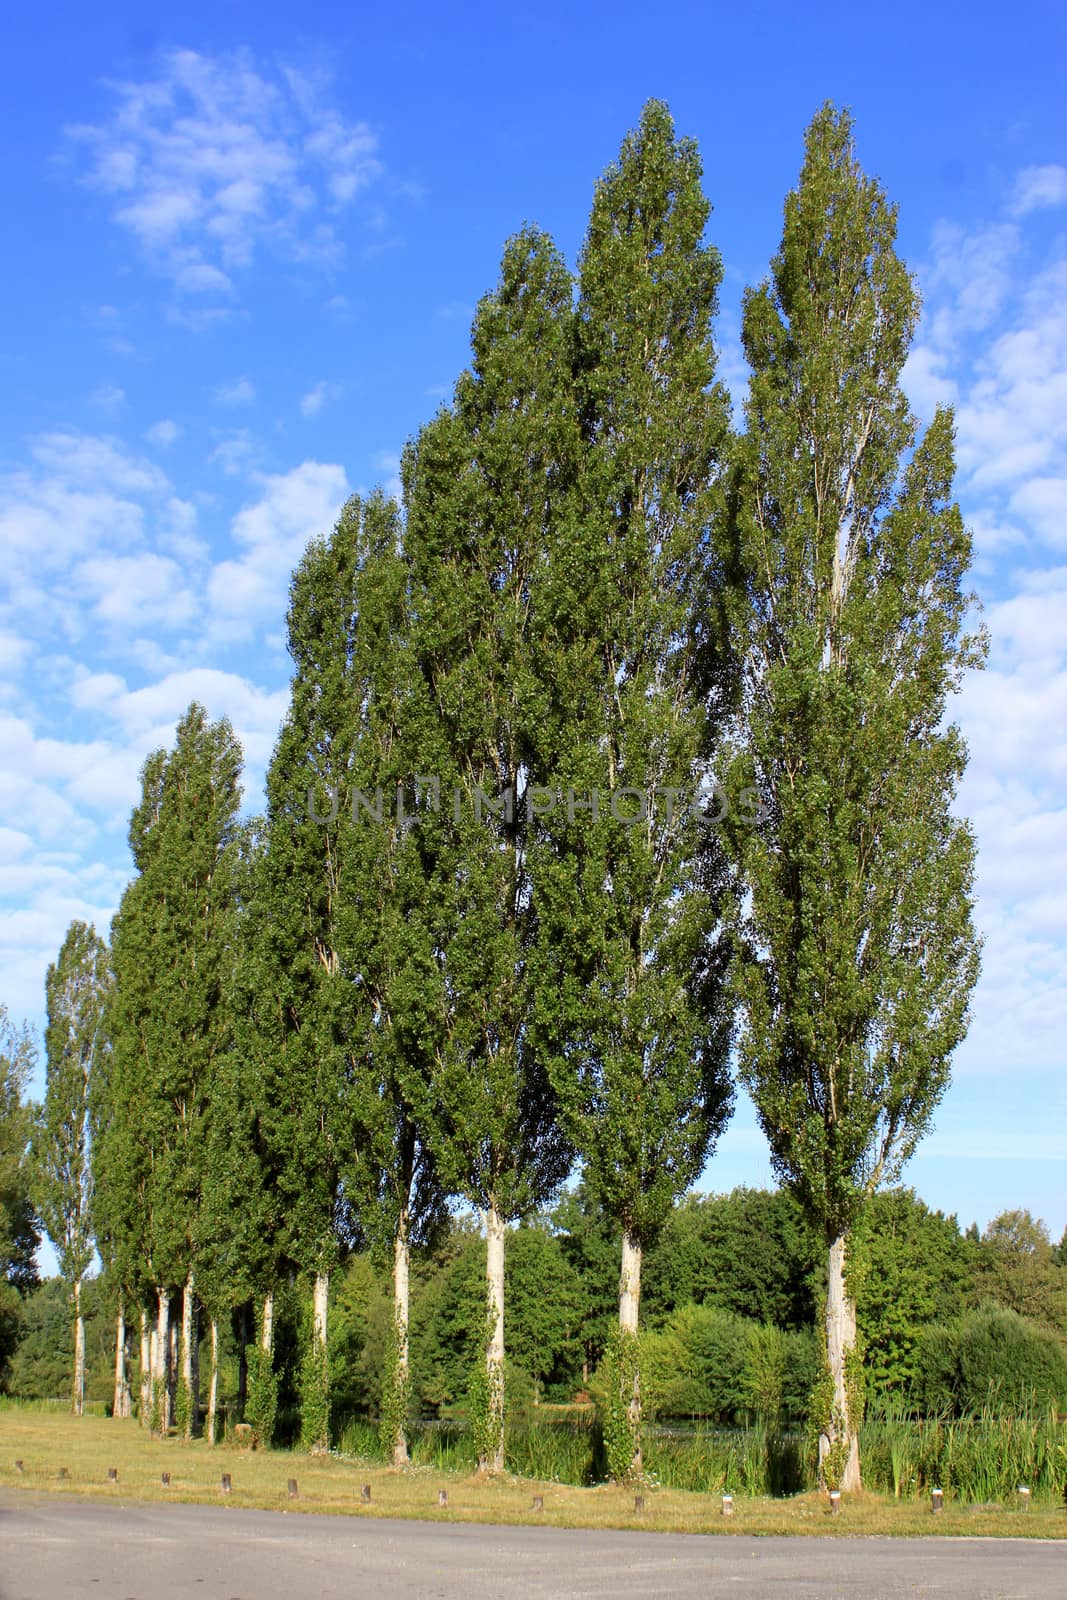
{"x": 88, "y": 1446}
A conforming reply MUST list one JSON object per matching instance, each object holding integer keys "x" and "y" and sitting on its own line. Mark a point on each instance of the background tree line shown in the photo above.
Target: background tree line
{"x": 951, "y": 1319}
{"x": 616, "y": 753}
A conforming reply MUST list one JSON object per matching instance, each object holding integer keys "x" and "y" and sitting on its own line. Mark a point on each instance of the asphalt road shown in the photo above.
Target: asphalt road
{"x": 71, "y": 1550}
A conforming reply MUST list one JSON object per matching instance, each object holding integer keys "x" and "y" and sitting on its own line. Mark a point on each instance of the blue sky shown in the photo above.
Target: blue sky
{"x": 243, "y": 246}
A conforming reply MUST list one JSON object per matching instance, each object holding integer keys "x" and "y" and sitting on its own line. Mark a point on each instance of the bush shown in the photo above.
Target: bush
{"x": 990, "y": 1358}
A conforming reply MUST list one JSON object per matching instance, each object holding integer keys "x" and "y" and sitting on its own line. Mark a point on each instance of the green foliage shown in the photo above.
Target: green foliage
{"x": 261, "y": 1405}
{"x": 44, "y": 1343}
{"x": 909, "y": 1267}
{"x": 1018, "y": 1268}
{"x": 990, "y": 1359}
{"x": 485, "y": 1402}
{"x": 396, "y": 1391}
{"x": 633, "y": 1011}
{"x": 76, "y": 991}
{"x": 748, "y": 1252}
{"x": 183, "y": 1409}
{"x": 857, "y": 960}
{"x": 19, "y": 1235}
{"x": 620, "y": 1426}
{"x": 314, "y": 1385}
{"x": 168, "y": 1021}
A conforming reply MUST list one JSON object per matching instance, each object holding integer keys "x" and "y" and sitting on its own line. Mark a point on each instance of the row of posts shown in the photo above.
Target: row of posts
{"x": 937, "y": 1498}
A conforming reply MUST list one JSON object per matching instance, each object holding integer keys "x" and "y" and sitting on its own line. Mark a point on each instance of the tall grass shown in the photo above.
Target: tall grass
{"x": 975, "y": 1460}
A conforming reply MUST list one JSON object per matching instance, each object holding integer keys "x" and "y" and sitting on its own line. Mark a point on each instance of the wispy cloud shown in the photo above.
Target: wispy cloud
{"x": 1038, "y": 187}
{"x": 163, "y": 433}
{"x": 317, "y": 396}
{"x": 241, "y": 392}
{"x": 216, "y": 158}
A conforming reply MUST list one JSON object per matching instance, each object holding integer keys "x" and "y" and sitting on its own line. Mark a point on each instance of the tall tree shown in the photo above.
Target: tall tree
{"x": 638, "y": 1004}
{"x": 311, "y": 1006}
{"x": 172, "y": 949}
{"x": 19, "y": 1232}
{"x": 486, "y": 494}
{"x": 857, "y": 959}
{"x": 386, "y": 938}
{"x": 76, "y": 991}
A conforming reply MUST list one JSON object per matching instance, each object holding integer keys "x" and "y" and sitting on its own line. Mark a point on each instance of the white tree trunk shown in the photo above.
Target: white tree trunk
{"x": 120, "y": 1404}
{"x": 161, "y": 1361}
{"x": 266, "y": 1336}
{"x": 401, "y": 1299}
{"x": 213, "y": 1384}
{"x": 173, "y": 1330}
{"x": 840, "y": 1342}
{"x": 629, "y": 1313}
{"x": 320, "y": 1307}
{"x": 147, "y": 1366}
{"x": 494, "y": 1353}
{"x": 188, "y": 1354}
{"x": 78, "y": 1393}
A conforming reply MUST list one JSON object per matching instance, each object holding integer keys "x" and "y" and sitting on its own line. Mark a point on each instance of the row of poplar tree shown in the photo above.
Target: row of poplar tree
{"x": 496, "y": 922}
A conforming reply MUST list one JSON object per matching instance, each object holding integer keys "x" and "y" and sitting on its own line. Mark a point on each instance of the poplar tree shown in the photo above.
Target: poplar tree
{"x": 300, "y": 993}
{"x": 76, "y": 989}
{"x": 638, "y": 1010}
{"x": 485, "y": 488}
{"x": 858, "y": 955}
{"x": 386, "y": 936}
{"x": 172, "y": 948}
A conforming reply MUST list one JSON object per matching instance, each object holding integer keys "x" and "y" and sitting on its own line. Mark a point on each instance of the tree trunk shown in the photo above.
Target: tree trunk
{"x": 146, "y": 1371}
{"x": 494, "y": 1353}
{"x": 266, "y": 1337}
{"x": 320, "y": 1306}
{"x": 161, "y": 1406}
{"x": 213, "y": 1384}
{"x": 401, "y": 1296}
{"x": 173, "y": 1329}
{"x": 840, "y": 1435}
{"x": 188, "y": 1356}
{"x": 120, "y": 1404}
{"x": 78, "y": 1393}
{"x": 244, "y": 1340}
{"x": 629, "y": 1311}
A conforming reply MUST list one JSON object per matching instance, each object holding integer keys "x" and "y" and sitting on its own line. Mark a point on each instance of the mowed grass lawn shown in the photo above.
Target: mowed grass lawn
{"x": 88, "y": 1446}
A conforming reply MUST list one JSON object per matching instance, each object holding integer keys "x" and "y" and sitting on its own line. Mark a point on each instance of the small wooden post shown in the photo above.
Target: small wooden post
{"x": 112, "y": 1474}
{"x": 937, "y": 1500}
{"x": 1024, "y": 1497}
{"x": 227, "y": 1483}
{"x": 639, "y": 1503}
{"x": 835, "y": 1502}
{"x": 166, "y": 1480}
{"x": 292, "y": 1489}
{"x": 442, "y": 1497}
{"x": 364, "y": 1493}
{"x": 537, "y": 1503}
{"x": 727, "y": 1505}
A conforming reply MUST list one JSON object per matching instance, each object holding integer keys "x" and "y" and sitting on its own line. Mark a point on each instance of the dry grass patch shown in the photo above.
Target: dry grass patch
{"x": 88, "y": 1446}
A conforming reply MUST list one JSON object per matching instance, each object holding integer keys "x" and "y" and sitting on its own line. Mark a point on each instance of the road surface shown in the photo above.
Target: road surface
{"x": 52, "y": 1549}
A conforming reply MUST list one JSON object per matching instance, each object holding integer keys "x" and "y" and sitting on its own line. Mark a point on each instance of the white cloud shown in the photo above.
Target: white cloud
{"x": 216, "y": 158}
{"x": 163, "y": 433}
{"x": 293, "y": 507}
{"x": 1040, "y": 186}
{"x": 135, "y": 591}
{"x": 234, "y": 452}
{"x": 317, "y": 396}
{"x": 241, "y": 392}
{"x": 108, "y": 398}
